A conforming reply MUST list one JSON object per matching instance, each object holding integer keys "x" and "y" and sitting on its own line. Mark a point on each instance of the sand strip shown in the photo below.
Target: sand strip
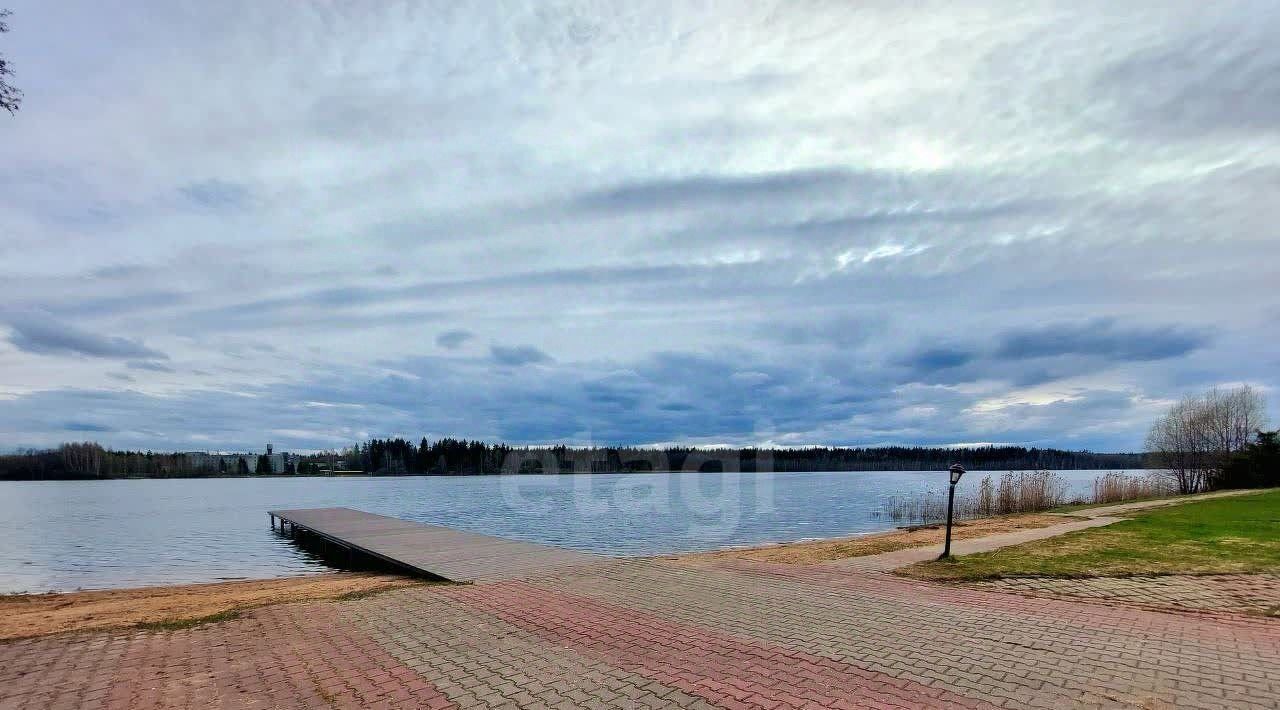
{"x": 26, "y": 615}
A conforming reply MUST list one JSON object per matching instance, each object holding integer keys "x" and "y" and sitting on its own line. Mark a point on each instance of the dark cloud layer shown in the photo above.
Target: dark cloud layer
{"x": 932, "y": 359}
{"x": 517, "y": 355}
{"x": 705, "y": 190}
{"x": 40, "y": 334}
{"x": 657, "y": 399}
{"x": 1101, "y": 338}
{"x": 454, "y": 339}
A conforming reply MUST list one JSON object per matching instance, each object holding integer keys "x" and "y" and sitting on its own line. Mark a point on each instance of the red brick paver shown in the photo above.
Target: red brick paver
{"x": 715, "y": 666}
{"x": 1235, "y": 593}
{"x": 299, "y": 656}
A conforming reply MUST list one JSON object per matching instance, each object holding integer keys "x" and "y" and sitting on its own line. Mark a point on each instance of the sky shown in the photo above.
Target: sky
{"x": 719, "y": 223}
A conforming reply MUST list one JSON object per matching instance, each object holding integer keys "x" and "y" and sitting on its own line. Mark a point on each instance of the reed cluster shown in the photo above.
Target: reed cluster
{"x": 1116, "y": 487}
{"x": 1021, "y": 492}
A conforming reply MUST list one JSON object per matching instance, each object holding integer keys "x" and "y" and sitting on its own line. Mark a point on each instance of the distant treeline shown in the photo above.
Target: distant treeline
{"x": 458, "y": 457}
{"x": 88, "y": 460}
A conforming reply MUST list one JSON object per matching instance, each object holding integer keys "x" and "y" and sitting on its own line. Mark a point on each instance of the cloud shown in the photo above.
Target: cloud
{"x": 837, "y": 223}
{"x": 1032, "y": 356}
{"x": 910, "y": 213}
{"x": 669, "y": 397}
{"x": 1101, "y": 338}
{"x": 844, "y": 332}
{"x": 454, "y": 339}
{"x": 517, "y": 355}
{"x": 1223, "y": 79}
{"x": 938, "y": 358}
{"x": 712, "y": 189}
{"x": 149, "y": 365}
{"x": 216, "y": 194}
{"x": 42, "y": 335}
{"x": 88, "y": 427}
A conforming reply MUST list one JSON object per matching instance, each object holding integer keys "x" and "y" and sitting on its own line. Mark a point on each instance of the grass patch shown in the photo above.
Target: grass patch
{"x": 1237, "y": 534}
{"x": 366, "y": 593}
{"x": 363, "y": 594}
{"x": 178, "y": 624}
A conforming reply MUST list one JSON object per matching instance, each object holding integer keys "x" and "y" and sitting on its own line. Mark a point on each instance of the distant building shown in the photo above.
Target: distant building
{"x": 219, "y": 462}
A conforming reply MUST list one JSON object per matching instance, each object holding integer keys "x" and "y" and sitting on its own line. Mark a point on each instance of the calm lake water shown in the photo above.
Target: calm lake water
{"x": 65, "y": 535}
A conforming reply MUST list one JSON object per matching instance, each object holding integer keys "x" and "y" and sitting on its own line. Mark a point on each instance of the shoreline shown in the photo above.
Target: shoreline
{"x": 369, "y": 474}
{"x": 180, "y": 605}
{"x": 176, "y": 606}
{"x": 814, "y": 551}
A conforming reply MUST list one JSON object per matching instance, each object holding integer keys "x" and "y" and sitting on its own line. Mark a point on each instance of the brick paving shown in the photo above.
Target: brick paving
{"x": 662, "y": 633}
{"x": 656, "y": 633}
{"x": 1234, "y": 593}
{"x": 292, "y": 656}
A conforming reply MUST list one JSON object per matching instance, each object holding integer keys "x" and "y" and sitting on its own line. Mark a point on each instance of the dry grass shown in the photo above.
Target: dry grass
{"x": 27, "y": 615}
{"x": 1014, "y": 493}
{"x": 176, "y": 624}
{"x": 1117, "y": 487}
{"x": 842, "y": 548}
{"x": 1025, "y": 492}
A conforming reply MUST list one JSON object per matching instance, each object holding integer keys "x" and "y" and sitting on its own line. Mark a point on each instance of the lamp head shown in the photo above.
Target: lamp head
{"x": 956, "y": 472}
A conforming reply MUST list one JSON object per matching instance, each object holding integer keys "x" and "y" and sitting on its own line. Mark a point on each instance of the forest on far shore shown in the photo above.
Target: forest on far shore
{"x": 451, "y": 457}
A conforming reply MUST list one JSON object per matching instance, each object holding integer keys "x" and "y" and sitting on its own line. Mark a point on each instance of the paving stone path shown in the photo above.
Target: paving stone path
{"x": 1234, "y": 593}
{"x": 665, "y": 633}
{"x": 653, "y": 633}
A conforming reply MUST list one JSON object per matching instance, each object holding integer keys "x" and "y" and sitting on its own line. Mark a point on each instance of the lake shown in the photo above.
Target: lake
{"x": 66, "y": 535}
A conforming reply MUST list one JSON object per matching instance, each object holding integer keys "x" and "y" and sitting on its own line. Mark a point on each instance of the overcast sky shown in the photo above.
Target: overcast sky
{"x": 223, "y": 224}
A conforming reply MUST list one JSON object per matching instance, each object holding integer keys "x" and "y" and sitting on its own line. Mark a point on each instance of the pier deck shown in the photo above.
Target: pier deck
{"x": 430, "y": 550}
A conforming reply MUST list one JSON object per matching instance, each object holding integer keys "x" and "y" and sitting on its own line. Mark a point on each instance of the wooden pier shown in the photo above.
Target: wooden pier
{"x": 427, "y": 550}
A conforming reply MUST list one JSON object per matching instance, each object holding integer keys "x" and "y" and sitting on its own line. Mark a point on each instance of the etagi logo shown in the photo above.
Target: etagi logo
{"x": 704, "y": 495}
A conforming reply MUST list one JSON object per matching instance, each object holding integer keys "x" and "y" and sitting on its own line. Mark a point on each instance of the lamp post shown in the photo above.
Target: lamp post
{"x": 956, "y": 472}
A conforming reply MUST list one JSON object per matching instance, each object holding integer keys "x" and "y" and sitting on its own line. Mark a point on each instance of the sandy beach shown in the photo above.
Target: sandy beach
{"x": 30, "y": 615}
{"x": 810, "y": 552}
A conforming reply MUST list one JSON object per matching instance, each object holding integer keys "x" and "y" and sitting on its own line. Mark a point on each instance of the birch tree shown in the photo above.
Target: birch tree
{"x": 10, "y": 95}
{"x": 1196, "y": 438}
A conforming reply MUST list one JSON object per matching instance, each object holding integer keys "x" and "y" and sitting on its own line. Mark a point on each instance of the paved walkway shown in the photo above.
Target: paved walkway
{"x": 1235, "y": 593}
{"x": 652, "y": 633}
{"x": 660, "y": 633}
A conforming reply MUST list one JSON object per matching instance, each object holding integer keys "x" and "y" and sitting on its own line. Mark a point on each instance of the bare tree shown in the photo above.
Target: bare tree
{"x": 1173, "y": 446}
{"x": 1194, "y": 440}
{"x": 1237, "y": 415}
{"x": 84, "y": 459}
{"x": 10, "y": 96}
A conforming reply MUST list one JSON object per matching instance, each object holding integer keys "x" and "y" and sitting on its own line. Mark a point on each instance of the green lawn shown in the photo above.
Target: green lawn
{"x": 1225, "y": 535}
